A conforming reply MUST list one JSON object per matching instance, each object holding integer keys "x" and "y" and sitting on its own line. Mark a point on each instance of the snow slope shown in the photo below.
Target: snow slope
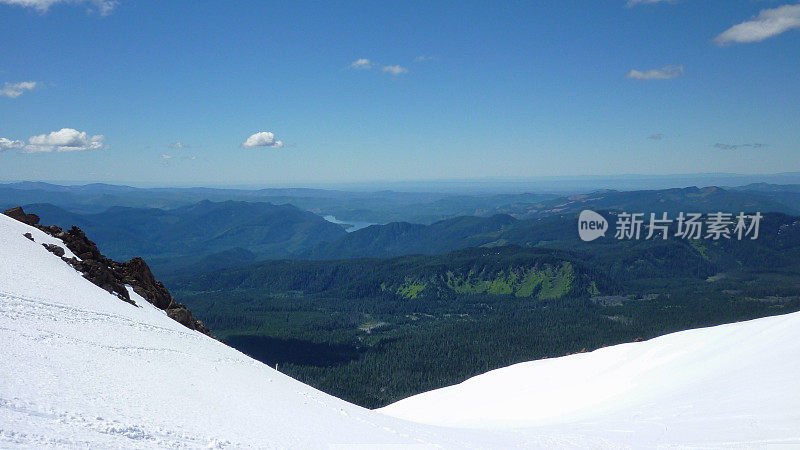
{"x": 81, "y": 368}
{"x": 729, "y": 385}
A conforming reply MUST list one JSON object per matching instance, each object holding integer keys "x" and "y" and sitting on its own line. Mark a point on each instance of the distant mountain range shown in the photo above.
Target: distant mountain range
{"x": 543, "y": 223}
{"x": 208, "y": 235}
{"x": 504, "y": 264}
{"x": 413, "y": 207}
{"x": 373, "y": 207}
{"x": 185, "y": 236}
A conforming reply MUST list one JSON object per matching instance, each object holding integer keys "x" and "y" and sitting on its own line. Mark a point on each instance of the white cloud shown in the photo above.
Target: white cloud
{"x": 423, "y": 58}
{"x": 647, "y": 2}
{"x": 14, "y": 90}
{"x": 768, "y": 23}
{"x": 366, "y": 64}
{"x": 361, "y": 63}
{"x": 8, "y": 144}
{"x": 178, "y": 145}
{"x": 395, "y": 70}
{"x": 664, "y": 73}
{"x": 104, "y": 7}
{"x": 163, "y": 156}
{"x": 262, "y": 139}
{"x": 64, "y": 140}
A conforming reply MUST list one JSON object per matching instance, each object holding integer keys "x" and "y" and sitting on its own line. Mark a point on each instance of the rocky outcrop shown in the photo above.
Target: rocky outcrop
{"x": 137, "y": 274}
{"x": 54, "y": 249}
{"x": 181, "y": 314}
{"x": 111, "y": 275}
{"x": 99, "y": 272}
{"x": 18, "y": 214}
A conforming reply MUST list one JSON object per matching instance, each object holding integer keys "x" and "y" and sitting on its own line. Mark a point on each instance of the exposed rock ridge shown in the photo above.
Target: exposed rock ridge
{"x": 109, "y": 274}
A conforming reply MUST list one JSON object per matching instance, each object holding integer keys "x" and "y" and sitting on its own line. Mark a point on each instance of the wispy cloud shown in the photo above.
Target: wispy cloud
{"x": 361, "y": 64}
{"x": 394, "y": 70}
{"x": 104, "y": 7}
{"x": 656, "y": 137}
{"x": 768, "y": 23}
{"x": 737, "y": 146}
{"x": 64, "y": 140}
{"x": 664, "y": 73}
{"x": 178, "y": 145}
{"x": 262, "y": 139}
{"x": 423, "y": 58}
{"x": 8, "y": 144}
{"x": 14, "y": 90}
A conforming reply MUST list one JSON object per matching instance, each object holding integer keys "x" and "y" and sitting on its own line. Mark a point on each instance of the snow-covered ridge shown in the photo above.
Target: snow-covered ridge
{"x": 736, "y": 384}
{"x": 80, "y": 368}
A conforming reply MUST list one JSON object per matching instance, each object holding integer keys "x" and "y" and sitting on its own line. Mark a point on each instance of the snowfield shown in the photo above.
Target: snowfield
{"x": 81, "y": 368}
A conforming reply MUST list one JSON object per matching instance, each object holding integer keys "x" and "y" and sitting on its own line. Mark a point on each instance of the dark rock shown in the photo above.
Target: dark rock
{"x": 28, "y": 235}
{"x": 54, "y": 249}
{"x": 137, "y": 273}
{"x": 52, "y": 230}
{"x": 182, "y": 315}
{"x": 18, "y": 214}
{"x": 100, "y": 274}
{"x": 71, "y": 261}
{"x": 76, "y": 240}
{"x": 111, "y": 275}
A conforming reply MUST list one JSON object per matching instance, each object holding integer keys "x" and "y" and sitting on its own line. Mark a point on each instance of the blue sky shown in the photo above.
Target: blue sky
{"x": 452, "y": 90}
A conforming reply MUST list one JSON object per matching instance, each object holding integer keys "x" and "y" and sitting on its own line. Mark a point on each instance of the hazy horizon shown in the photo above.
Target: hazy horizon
{"x": 553, "y": 184}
